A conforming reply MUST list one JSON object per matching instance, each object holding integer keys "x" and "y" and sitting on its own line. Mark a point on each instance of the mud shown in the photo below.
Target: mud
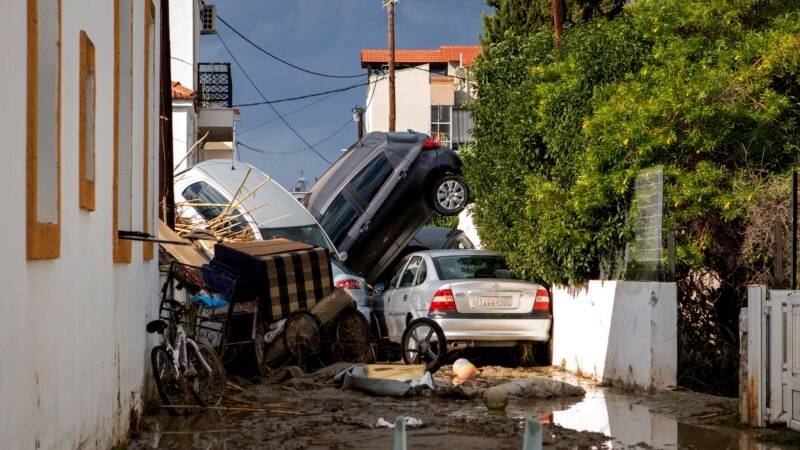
{"x": 311, "y": 412}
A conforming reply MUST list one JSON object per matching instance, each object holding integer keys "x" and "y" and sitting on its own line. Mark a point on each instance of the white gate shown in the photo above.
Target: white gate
{"x": 773, "y": 355}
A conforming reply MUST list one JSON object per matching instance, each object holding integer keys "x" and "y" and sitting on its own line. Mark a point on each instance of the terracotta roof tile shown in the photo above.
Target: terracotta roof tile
{"x": 465, "y": 54}
{"x": 180, "y": 92}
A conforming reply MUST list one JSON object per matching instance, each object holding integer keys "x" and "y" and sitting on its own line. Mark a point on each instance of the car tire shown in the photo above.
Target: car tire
{"x": 449, "y": 195}
{"x": 418, "y": 345}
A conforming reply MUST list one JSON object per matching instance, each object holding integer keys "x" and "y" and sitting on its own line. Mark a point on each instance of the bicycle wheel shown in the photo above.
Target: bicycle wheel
{"x": 352, "y": 336}
{"x": 208, "y": 386}
{"x": 423, "y": 342}
{"x": 302, "y": 334}
{"x": 168, "y": 382}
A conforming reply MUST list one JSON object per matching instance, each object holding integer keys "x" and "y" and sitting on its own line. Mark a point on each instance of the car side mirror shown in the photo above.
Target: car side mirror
{"x": 379, "y": 288}
{"x": 343, "y": 256}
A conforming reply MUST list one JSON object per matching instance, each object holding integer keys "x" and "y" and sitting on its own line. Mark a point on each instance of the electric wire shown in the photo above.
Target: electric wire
{"x": 370, "y": 96}
{"x": 289, "y": 152}
{"x": 301, "y": 97}
{"x": 287, "y": 114}
{"x": 288, "y": 125}
{"x": 282, "y": 60}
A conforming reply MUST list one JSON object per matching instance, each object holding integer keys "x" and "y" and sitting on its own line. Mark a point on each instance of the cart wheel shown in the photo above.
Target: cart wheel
{"x": 259, "y": 352}
{"x": 302, "y": 334}
{"x": 423, "y": 342}
{"x": 352, "y": 336}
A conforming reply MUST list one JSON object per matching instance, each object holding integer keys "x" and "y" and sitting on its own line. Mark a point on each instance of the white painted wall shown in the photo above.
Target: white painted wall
{"x": 412, "y": 102}
{"x": 184, "y": 33}
{"x": 74, "y": 352}
{"x": 616, "y": 331}
{"x": 184, "y": 124}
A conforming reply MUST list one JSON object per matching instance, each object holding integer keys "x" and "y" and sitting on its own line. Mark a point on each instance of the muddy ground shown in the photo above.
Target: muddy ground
{"x": 312, "y": 412}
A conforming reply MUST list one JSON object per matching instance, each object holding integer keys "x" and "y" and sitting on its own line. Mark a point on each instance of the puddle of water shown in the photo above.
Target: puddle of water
{"x": 630, "y": 425}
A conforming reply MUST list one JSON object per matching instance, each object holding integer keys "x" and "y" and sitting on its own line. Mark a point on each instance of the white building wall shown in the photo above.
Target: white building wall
{"x": 74, "y": 351}
{"x": 184, "y": 32}
{"x": 619, "y": 332}
{"x": 412, "y": 102}
{"x": 184, "y": 124}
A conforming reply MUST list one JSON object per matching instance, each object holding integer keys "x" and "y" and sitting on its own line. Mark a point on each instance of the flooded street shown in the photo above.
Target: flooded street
{"x": 311, "y": 413}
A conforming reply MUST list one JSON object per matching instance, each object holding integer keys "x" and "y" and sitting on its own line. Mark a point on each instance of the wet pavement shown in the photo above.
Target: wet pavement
{"x": 265, "y": 416}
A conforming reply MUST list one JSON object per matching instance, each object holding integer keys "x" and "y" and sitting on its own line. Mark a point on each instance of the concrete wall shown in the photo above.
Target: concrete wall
{"x": 618, "y": 332}
{"x": 74, "y": 353}
{"x": 184, "y": 32}
{"x": 412, "y": 102}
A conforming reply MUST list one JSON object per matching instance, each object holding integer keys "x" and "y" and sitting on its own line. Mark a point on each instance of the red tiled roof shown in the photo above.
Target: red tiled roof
{"x": 446, "y": 53}
{"x": 180, "y": 92}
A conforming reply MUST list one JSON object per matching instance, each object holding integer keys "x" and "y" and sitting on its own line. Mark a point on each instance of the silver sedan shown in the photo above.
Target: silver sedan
{"x": 469, "y": 295}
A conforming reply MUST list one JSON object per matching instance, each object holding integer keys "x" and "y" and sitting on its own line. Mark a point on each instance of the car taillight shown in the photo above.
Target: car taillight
{"x": 542, "y": 302}
{"x": 443, "y": 301}
{"x": 430, "y": 144}
{"x": 348, "y": 284}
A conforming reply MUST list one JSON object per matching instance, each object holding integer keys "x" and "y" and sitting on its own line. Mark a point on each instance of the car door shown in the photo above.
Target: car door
{"x": 404, "y": 300}
{"x": 388, "y": 321}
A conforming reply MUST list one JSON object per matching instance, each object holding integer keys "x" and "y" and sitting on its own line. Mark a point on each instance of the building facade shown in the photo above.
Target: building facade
{"x": 81, "y": 123}
{"x": 432, "y": 87}
{"x": 203, "y": 120}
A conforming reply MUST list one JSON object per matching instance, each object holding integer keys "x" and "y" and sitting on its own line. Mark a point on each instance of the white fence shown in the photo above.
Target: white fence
{"x": 770, "y": 391}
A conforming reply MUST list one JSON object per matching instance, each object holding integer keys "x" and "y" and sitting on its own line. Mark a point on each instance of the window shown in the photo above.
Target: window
{"x": 211, "y": 204}
{"x": 397, "y": 271}
{"x": 438, "y": 70}
{"x": 339, "y": 217}
{"x": 149, "y": 112}
{"x": 122, "y": 191}
{"x": 440, "y": 124}
{"x": 411, "y": 272}
{"x": 43, "y": 202}
{"x": 86, "y": 126}
{"x": 369, "y": 181}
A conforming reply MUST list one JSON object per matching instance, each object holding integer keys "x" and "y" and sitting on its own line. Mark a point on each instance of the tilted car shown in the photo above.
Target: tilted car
{"x": 381, "y": 191}
{"x": 470, "y": 295}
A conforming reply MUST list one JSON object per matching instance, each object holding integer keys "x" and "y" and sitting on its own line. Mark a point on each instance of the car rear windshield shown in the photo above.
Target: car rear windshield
{"x": 471, "y": 266}
{"x": 310, "y": 234}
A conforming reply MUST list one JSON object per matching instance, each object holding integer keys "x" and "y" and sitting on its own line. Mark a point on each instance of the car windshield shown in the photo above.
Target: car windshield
{"x": 471, "y": 266}
{"x": 309, "y": 234}
{"x": 211, "y": 204}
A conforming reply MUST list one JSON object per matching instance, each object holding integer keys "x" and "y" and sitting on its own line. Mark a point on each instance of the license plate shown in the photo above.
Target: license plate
{"x": 494, "y": 302}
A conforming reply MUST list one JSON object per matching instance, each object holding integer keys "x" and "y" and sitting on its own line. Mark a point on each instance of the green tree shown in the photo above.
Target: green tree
{"x": 706, "y": 89}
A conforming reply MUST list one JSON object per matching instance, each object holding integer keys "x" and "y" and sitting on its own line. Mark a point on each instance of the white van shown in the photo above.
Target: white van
{"x": 261, "y": 209}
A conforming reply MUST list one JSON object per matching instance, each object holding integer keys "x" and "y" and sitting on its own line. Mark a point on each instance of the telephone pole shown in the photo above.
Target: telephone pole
{"x": 389, "y": 4}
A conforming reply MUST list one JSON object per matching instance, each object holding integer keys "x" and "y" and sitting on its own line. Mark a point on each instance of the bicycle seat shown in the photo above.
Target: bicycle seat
{"x": 157, "y": 325}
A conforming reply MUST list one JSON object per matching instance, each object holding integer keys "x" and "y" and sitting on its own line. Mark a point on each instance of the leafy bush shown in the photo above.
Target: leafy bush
{"x": 706, "y": 89}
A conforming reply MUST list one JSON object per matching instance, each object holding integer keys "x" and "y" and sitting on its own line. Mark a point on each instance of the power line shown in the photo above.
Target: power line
{"x": 282, "y": 60}
{"x": 333, "y": 91}
{"x": 287, "y": 114}
{"x": 269, "y": 104}
{"x": 289, "y": 152}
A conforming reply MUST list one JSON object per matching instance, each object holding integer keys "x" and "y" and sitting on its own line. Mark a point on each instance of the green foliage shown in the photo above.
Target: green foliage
{"x": 438, "y": 220}
{"x": 709, "y": 90}
{"x": 706, "y": 89}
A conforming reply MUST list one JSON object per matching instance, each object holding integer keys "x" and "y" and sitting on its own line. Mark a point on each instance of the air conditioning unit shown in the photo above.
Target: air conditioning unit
{"x": 208, "y": 19}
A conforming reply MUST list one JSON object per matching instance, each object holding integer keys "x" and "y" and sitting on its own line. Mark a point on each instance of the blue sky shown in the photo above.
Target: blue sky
{"x": 324, "y": 36}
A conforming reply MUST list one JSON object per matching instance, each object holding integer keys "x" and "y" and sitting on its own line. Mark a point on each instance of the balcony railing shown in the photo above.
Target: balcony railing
{"x": 214, "y": 85}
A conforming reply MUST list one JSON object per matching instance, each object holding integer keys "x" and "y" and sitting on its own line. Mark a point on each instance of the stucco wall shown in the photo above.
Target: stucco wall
{"x": 412, "y": 102}
{"x": 74, "y": 352}
{"x": 184, "y": 20}
{"x": 619, "y": 332}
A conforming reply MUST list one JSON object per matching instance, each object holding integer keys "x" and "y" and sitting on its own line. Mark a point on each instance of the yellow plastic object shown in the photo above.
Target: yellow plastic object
{"x": 398, "y": 372}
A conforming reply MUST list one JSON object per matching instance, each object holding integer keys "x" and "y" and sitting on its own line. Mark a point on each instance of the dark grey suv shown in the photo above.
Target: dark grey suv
{"x": 381, "y": 191}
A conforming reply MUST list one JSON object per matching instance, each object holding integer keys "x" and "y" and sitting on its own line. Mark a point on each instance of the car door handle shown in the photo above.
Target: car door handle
{"x": 405, "y": 297}
{"x": 364, "y": 227}
{"x": 402, "y": 174}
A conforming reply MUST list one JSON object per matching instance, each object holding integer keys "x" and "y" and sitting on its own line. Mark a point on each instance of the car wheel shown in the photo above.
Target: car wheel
{"x": 424, "y": 342}
{"x": 449, "y": 195}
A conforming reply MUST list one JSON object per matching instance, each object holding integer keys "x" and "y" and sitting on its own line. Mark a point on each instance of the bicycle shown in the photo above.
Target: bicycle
{"x": 184, "y": 370}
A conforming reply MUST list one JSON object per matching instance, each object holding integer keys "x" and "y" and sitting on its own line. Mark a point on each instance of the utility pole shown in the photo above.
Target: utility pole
{"x": 390, "y": 6}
